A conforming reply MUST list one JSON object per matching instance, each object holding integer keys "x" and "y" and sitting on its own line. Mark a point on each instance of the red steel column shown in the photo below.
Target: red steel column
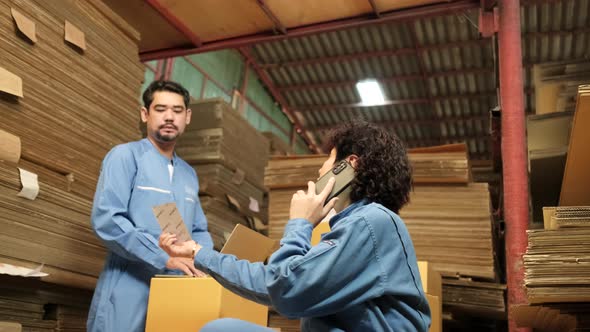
{"x": 514, "y": 151}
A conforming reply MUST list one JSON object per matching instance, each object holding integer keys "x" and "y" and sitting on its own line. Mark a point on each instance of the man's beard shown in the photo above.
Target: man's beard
{"x": 166, "y": 138}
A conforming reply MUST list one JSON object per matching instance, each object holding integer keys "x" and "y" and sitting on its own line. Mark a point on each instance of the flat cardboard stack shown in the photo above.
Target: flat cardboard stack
{"x": 28, "y": 314}
{"x": 278, "y": 147}
{"x": 218, "y": 181}
{"x": 284, "y": 176}
{"x": 440, "y": 164}
{"x": 451, "y": 227}
{"x": 53, "y": 229}
{"x": 229, "y": 156}
{"x": 275, "y": 320}
{"x": 67, "y": 126}
{"x": 572, "y": 216}
{"x": 68, "y": 102}
{"x": 550, "y": 318}
{"x": 40, "y": 306}
{"x": 221, "y": 219}
{"x": 68, "y": 318}
{"x": 481, "y": 299}
{"x": 557, "y": 265}
{"x": 286, "y": 172}
{"x": 219, "y": 134}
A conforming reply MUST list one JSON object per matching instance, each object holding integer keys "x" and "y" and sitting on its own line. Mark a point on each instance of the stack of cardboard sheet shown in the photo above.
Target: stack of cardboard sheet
{"x": 68, "y": 102}
{"x": 40, "y": 306}
{"x": 287, "y": 172}
{"x": 451, "y": 227}
{"x": 28, "y": 312}
{"x": 284, "y": 324}
{"x": 284, "y": 176}
{"x": 553, "y": 317}
{"x": 218, "y": 181}
{"x": 278, "y": 147}
{"x": 572, "y": 216}
{"x": 482, "y": 299}
{"x": 441, "y": 216}
{"x": 221, "y": 219}
{"x": 440, "y": 164}
{"x": 219, "y": 134}
{"x": 229, "y": 156}
{"x": 68, "y": 126}
{"x": 557, "y": 265}
{"x": 53, "y": 229}
{"x": 68, "y": 318}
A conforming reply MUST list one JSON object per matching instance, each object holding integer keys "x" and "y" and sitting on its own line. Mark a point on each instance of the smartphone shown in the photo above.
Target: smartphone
{"x": 343, "y": 173}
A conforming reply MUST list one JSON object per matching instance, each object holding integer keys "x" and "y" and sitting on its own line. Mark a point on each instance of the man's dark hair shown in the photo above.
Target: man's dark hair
{"x": 161, "y": 85}
{"x": 383, "y": 173}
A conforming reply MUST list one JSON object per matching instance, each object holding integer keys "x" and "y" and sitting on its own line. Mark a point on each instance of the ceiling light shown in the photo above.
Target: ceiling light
{"x": 370, "y": 92}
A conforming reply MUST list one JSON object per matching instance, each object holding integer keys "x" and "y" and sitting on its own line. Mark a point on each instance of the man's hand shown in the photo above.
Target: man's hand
{"x": 185, "y": 265}
{"x": 168, "y": 242}
{"x": 310, "y": 206}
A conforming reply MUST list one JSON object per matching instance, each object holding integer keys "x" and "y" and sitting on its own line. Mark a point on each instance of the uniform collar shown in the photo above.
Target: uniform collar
{"x": 347, "y": 211}
{"x": 151, "y": 146}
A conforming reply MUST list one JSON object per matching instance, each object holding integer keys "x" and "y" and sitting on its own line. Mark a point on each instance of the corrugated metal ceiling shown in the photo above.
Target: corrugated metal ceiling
{"x": 438, "y": 73}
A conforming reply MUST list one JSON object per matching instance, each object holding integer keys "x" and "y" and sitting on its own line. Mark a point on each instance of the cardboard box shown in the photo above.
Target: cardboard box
{"x": 179, "y": 303}
{"x": 435, "y": 304}
{"x": 186, "y": 304}
{"x": 431, "y": 279}
{"x": 318, "y": 231}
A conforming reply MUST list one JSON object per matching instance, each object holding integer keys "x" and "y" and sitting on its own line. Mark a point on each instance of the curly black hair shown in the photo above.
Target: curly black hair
{"x": 383, "y": 172}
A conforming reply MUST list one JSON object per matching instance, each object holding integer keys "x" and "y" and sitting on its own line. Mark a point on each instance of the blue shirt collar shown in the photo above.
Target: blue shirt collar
{"x": 347, "y": 211}
{"x": 150, "y": 145}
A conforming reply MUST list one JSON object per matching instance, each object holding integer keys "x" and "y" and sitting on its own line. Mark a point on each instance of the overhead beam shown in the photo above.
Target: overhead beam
{"x": 434, "y": 10}
{"x": 556, "y": 33}
{"x": 316, "y": 108}
{"x": 390, "y": 79}
{"x": 175, "y": 22}
{"x": 278, "y": 97}
{"x": 279, "y": 27}
{"x": 408, "y": 50}
{"x": 374, "y": 54}
{"x": 423, "y": 122}
{"x": 445, "y": 140}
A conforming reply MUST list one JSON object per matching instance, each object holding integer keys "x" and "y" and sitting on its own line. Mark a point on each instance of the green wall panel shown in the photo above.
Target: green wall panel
{"x": 224, "y": 66}
{"x": 213, "y": 91}
{"x": 185, "y": 74}
{"x": 148, "y": 78}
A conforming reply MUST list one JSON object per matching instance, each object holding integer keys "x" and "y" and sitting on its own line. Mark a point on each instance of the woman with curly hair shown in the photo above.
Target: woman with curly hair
{"x": 363, "y": 275}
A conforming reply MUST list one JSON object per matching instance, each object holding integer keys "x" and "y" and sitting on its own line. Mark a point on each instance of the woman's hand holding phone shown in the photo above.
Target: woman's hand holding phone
{"x": 310, "y": 206}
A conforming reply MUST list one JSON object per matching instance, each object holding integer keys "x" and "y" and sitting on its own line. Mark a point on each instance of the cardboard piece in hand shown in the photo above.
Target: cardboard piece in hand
{"x": 171, "y": 221}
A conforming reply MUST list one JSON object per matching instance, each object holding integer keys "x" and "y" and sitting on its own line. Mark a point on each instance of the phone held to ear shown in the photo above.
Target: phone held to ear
{"x": 343, "y": 173}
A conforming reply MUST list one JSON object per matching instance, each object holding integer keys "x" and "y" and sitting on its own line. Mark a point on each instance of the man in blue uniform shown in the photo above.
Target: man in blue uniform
{"x": 134, "y": 178}
{"x": 362, "y": 276}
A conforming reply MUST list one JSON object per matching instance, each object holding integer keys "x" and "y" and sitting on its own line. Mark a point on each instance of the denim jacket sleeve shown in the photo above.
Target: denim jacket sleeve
{"x": 341, "y": 271}
{"x": 239, "y": 276}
